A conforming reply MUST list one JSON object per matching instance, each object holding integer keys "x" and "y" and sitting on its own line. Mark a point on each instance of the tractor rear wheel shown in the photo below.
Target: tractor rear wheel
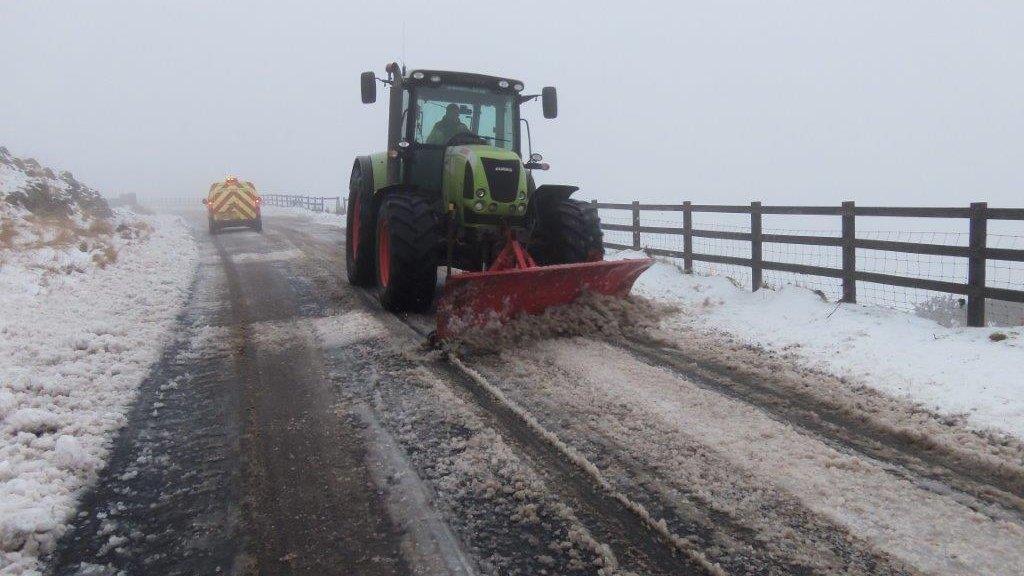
{"x": 407, "y": 240}
{"x": 569, "y": 231}
{"x": 359, "y": 256}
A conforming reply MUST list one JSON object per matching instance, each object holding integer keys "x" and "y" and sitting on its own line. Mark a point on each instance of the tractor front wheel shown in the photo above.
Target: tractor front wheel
{"x": 407, "y": 240}
{"x": 568, "y": 231}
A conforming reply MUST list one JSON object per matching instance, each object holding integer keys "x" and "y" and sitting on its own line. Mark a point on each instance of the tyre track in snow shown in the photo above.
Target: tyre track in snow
{"x": 168, "y": 500}
{"x": 310, "y": 504}
{"x": 641, "y": 543}
{"x": 750, "y": 529}
{"x": 991, "y": 485}
{"x": 797, "y": 495}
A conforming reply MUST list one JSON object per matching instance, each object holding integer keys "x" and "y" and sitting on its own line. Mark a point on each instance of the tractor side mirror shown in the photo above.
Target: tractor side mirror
{"x": 205, "y": 201}
{"x": 549, "y": 101}
{"x": 368, "y": 87}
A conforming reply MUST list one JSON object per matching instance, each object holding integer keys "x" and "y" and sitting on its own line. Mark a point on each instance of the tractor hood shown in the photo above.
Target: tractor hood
{"x": 487, "y": 183}
{"x": 478, "y": 151}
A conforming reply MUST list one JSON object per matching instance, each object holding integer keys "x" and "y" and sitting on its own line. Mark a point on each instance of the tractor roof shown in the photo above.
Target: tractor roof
{"x": 463, "y": 78}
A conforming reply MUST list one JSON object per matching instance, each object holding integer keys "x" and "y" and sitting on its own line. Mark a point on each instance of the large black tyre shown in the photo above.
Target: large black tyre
{"x": 359, "y": 229}
{"x": 568, "y": 231}
{"x": 407, "y": 239}
{"x": 213, "y": 225}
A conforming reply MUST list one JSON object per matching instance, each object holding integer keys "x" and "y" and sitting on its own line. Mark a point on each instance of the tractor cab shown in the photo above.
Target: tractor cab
{"x": 458, "y": 135}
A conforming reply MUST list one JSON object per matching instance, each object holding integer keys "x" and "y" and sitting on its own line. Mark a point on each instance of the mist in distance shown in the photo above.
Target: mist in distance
{"x": 915, "y": 103}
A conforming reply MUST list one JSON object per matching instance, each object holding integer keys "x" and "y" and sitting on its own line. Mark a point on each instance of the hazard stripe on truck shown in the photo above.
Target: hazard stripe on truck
{"x": 241, "y": 200}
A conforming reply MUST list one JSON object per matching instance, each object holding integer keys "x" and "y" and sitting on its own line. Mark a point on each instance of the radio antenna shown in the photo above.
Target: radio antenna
{"x": 403, "y": 47}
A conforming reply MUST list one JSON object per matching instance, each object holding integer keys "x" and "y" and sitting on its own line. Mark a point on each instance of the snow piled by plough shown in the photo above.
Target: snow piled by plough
{"x": 88, "y": 298}
{"x": 971, "y": 374}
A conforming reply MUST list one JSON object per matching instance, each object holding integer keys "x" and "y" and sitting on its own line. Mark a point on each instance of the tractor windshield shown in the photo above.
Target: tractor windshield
{"x": 446, "y": 111}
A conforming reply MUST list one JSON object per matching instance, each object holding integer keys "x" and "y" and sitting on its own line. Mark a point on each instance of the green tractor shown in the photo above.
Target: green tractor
{"x": 452, "y": 190}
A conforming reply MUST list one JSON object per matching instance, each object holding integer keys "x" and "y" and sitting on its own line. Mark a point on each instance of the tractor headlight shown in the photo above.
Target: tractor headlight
{"x": 480, "y": 192}
{"x": 417, "y": 75}
{"x": 478, "y": 206}
{"x": 502, "y": 83}
{"x": 493, "y": 206}
{"x": 518, "y": 87}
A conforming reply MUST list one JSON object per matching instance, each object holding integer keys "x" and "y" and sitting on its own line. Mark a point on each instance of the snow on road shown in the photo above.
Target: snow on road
{"x": 76, "y": 343}
{"x": 954, "y": 371}
{"x": 325, "y": 218}
{"x": 272, "y": 256}
{"x": 802, "y": 495}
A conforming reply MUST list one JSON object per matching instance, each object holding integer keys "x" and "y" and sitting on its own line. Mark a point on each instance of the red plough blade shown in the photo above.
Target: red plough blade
{"x": 475, "y": 299}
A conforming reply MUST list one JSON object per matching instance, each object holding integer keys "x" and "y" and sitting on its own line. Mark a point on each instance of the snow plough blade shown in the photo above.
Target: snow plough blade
{"x": 477, "y": 299}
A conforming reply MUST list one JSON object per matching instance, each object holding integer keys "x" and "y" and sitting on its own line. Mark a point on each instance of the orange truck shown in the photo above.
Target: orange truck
{"x": 233, "y": 202}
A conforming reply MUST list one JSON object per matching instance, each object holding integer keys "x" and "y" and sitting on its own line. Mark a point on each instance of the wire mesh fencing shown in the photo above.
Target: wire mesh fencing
{"x": 332, "y": 204}
{"x": 926, "y": 272}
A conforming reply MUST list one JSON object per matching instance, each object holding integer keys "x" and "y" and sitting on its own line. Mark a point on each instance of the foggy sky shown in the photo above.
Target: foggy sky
{"x": 715, "y": 102}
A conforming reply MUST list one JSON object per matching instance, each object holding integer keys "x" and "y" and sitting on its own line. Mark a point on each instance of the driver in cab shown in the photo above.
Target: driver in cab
{"x": 447, "y": 127}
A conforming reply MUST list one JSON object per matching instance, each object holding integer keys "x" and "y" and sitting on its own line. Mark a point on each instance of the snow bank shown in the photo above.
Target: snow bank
{"x": 325, "y": 218}
{"x": 88, "y": 298}
{"x": 955, "y": 371}
{"x": 26, "y": 183}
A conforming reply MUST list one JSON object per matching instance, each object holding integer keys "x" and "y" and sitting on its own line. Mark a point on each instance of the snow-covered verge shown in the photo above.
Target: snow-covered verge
{"x": 969, "y": 372}
{"x": 325, "y": 218}
{"x": 88, "y": 299}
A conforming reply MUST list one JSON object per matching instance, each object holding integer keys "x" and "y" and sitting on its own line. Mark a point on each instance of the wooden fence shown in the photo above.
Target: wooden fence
{"x": 315, "y": 203}
{"x": 976, "y": 252}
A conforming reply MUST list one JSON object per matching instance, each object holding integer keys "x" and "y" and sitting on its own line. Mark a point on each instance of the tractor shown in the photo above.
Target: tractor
{"x": 452, "y": 190}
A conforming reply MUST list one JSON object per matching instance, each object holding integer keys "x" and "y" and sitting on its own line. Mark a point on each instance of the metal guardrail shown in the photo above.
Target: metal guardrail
{"x": 976, "y": 252}
{"x": 332, "y": 204}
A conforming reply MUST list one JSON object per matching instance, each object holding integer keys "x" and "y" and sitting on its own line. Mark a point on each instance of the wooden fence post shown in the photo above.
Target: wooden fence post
{"x": 849, "y": 252}
{"x": 636, "y": 225}
{"x": 756, "y": 270}
{"x": 687, "y": 237}
{"x": 976, "y": 265}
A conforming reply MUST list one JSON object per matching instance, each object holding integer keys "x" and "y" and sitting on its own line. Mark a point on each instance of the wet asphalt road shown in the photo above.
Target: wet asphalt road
{"x": 237, "y": 457}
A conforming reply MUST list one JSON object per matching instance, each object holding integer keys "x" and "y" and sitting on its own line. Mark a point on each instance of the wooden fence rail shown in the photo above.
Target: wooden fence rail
{"x": 976, "y": 252}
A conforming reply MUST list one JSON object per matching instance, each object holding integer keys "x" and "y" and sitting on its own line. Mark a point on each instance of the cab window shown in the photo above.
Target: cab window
{"x": 442, "y": 112}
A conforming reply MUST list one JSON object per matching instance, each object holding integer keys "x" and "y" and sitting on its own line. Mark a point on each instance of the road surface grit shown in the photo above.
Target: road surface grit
{"x": 297, "y": 429}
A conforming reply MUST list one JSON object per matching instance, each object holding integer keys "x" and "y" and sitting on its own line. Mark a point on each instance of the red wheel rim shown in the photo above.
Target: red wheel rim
{"x": 383, "y": 253}
{"x": 355, "y": 228}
